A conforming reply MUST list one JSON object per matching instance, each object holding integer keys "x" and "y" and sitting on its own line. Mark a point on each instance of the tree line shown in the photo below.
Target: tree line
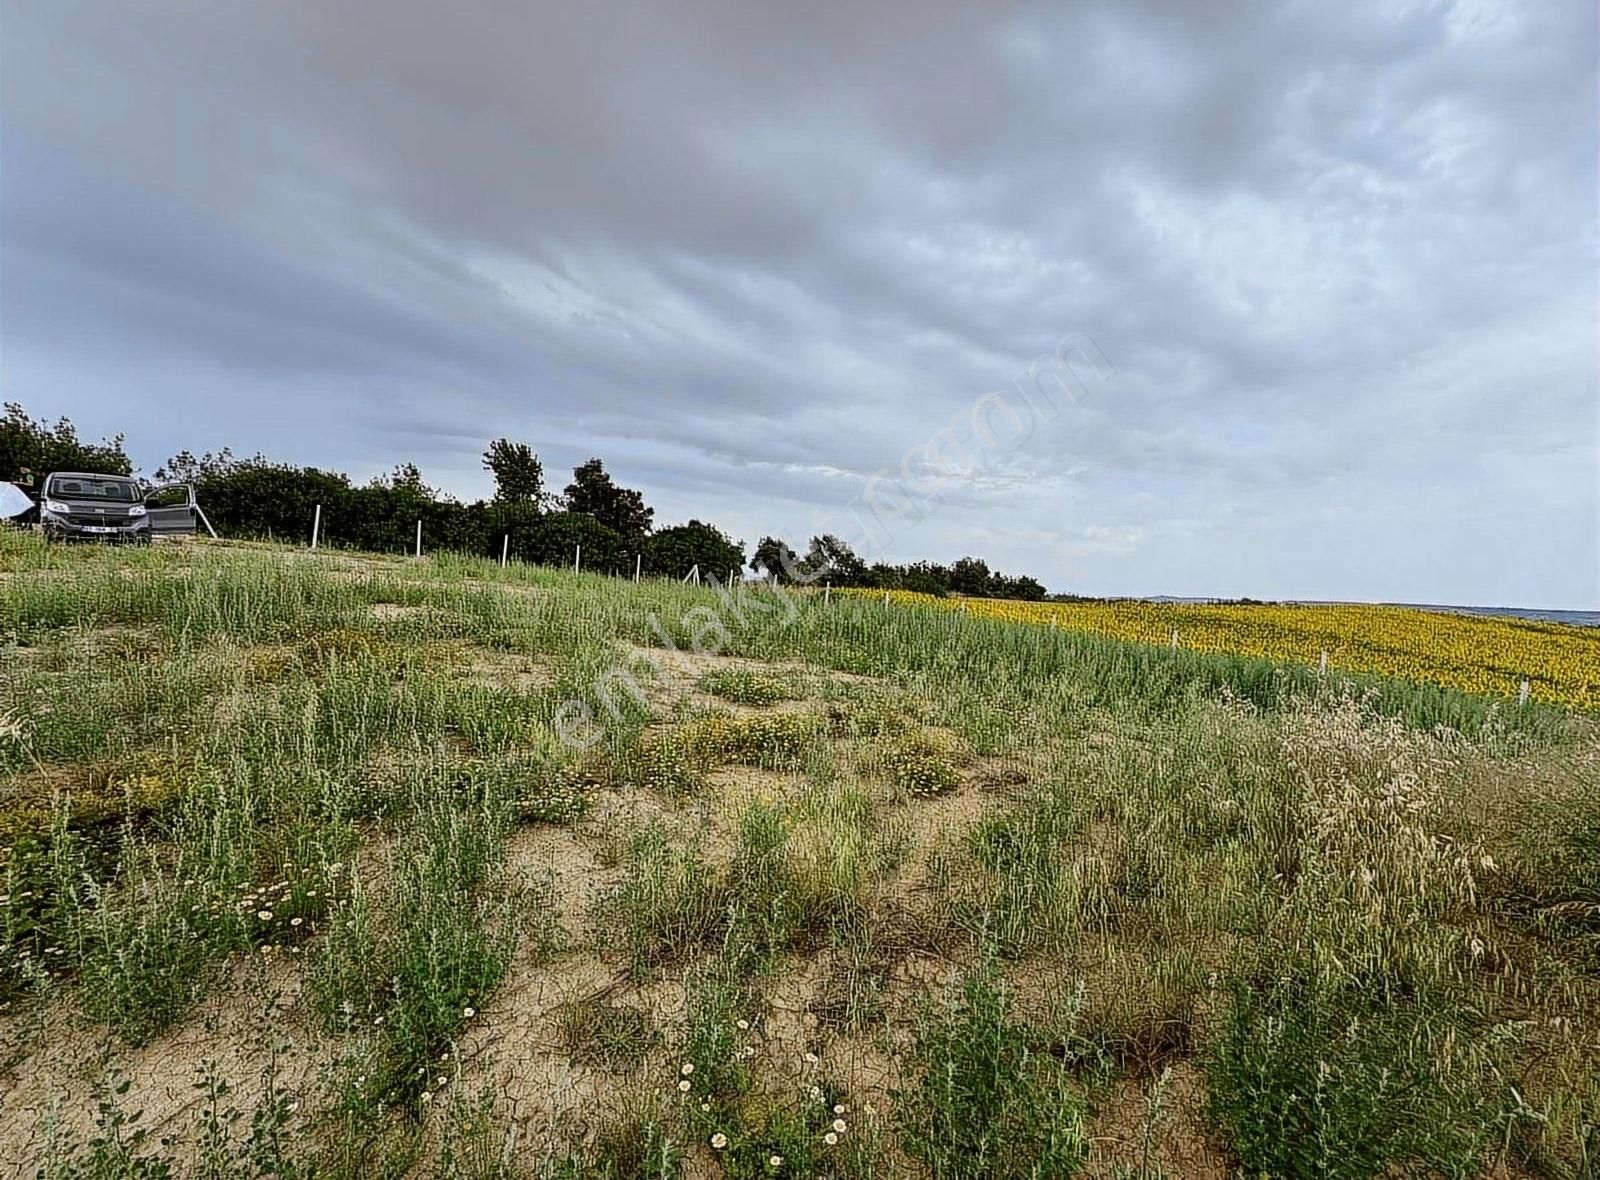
{"x": 260, "y": 498}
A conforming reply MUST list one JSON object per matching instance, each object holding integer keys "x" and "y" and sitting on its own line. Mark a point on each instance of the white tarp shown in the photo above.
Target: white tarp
{"x": 13, "y": 501}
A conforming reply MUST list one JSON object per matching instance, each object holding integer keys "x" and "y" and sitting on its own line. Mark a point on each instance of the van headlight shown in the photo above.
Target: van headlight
{"x": 136, "y": 510}
{"x": 57, "y": 507}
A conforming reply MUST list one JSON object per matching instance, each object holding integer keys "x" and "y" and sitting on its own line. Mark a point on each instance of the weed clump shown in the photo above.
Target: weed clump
{"x": 803, "y": 1126}
{"x": 599, "y": 1033}
{"x": 410, "y": 983}
{"x": 671, "y": 762}
{"x": 538, "y": 791}
{"x": 676, "y": 761}
{"x": 667, "y": 906}
{"x": 637, "y": 1145}
{"x": 1307, "y": 1081}
{"x": 777, "y": 741}
{"x": 986, "y": 1102}
{"x": 921, "y": 767}
{"x": 745, "y": 687}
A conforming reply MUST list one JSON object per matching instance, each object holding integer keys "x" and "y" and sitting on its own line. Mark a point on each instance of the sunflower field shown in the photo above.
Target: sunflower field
{"x": 1488, "y": 656}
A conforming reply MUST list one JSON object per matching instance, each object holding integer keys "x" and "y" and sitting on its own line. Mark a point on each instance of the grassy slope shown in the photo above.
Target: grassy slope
{"x": 294, "y": 837}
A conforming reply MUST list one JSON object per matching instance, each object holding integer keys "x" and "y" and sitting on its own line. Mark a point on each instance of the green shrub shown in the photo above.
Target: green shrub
{"x": 921, "y": 766}
{"x": 745, "y": 687}
{"x": 985, "y": 1103}
{"x": 149, "y": 949}
{"x": 1305, "y": 1081}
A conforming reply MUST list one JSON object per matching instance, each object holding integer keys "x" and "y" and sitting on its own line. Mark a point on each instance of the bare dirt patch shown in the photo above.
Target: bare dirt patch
{"x": 1004, "y": 777}
{"x": 1172, "y": 1137}
{"x": 669, "y": 677}
{"x": 389, "y": 612}
{"x": 500, "y": 669}
{"x": 515, "y": 1047}
{"x": 942, "y": 819}
{"x": 572, "y": 867}
{"x": 229, "y": 1029}
{"x": 737, "y": 787}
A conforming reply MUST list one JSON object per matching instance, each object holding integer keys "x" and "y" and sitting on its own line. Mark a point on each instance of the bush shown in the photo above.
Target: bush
{"x": 745, "y": 687}
{"x": 985, "y": 1103}
{"x": 1308, "y": 1082}
{"x": 673, "y": 552}
{"x": 920, "y": 767}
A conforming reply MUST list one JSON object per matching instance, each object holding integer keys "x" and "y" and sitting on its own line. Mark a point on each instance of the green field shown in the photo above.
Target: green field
{"x": 327, "y": 865}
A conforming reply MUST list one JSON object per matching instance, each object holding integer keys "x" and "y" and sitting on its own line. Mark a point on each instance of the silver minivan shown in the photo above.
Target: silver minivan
{"x": 84, "y": 506}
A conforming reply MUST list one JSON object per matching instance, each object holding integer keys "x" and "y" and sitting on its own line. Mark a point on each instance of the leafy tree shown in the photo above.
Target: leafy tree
{"x": 593, "y": 493}
{"x": 1020, "y": 587}
{"x": 552, "y": 537}
{"x": 970, "y": 576}
{"x": 673, "y": 552}
{"x": 383, "y": 516}
{"x": 40, "y": 447}
{"x": 926, "y": 578}
{"x": 518, "y": 474}
{"x": 776, "y": 560}
{"x": 407, "y": 478}
{"x": 185, "y": 468}
{"x": 834, "y": 560}
{"x": 256, "y": 497}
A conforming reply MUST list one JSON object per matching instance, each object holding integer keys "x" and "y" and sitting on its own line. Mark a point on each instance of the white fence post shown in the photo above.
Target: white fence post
{"x": 638, "y": 566}
{"x": 419, "y": 538}
{"x": 1322, "y": 665}
{"x": 827, "y": 593}
{"x": 1522, "y": 693}
{"x": 505, "y": 548}
{"x": 1174, "y": 639}
{"x": 200, "y": 512}
{"x": 316, "y": 526}
{"x": 577, "y": 558}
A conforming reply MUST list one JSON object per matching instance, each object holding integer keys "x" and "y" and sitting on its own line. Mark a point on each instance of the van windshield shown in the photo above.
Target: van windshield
{"x": 81, "y": 487}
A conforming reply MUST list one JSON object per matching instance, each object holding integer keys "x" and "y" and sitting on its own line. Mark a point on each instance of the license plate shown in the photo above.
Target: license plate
{"x": 98, "y": 528}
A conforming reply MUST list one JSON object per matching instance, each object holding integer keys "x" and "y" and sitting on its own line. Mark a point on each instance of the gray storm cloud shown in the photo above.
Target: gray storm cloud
{"x": 1342, "y": 257}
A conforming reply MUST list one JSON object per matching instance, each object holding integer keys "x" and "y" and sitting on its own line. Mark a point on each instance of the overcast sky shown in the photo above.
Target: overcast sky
{"x": 1342, "y": 259}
